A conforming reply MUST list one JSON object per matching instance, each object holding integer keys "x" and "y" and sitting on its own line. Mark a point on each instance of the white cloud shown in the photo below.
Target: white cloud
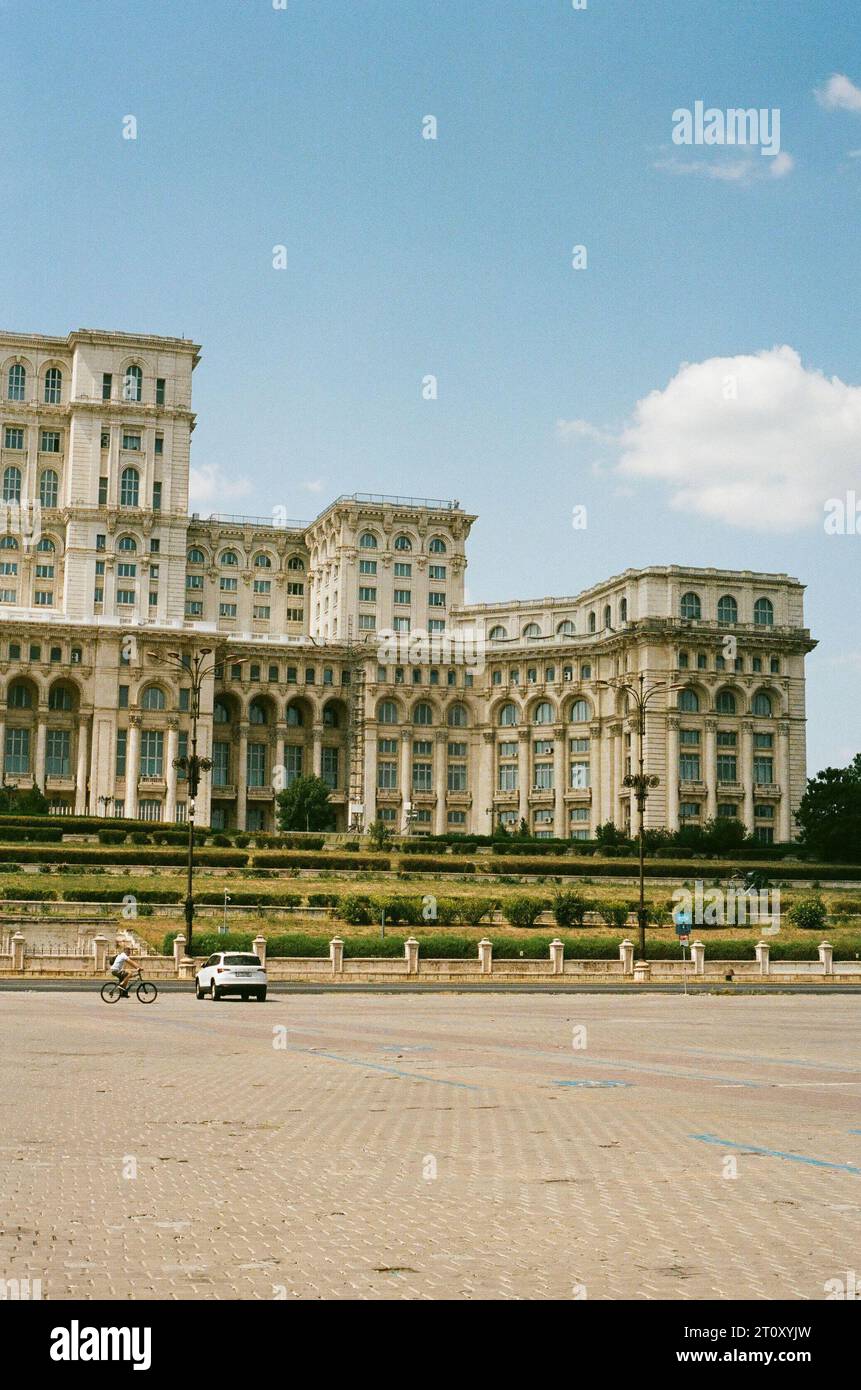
{"x": 315, "y": 485}
{"x": 839, "y": 94}
{"x": 207, "y": 485}
{"x": 758, "y": 442}
{"x": 568, "y": 430}
{"x": 730, "y": 170}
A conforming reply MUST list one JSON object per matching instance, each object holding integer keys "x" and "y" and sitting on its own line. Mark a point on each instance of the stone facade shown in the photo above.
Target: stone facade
{"x": 343, "y": 646}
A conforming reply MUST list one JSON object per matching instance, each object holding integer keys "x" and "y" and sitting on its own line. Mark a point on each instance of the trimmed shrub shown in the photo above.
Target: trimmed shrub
{"x": 615, "y": 914}
{"x": 439, "y": 866}
{"x": 523, "y": 911}
{"x": 111, "y": 837}
{"x": 29, "y": 894}
{"x": 356, "y": 909}
{"x": 809, "y": 914}
{"x": 276, "y": 859}
{"x": 569, "y": 909}
{"x": 323, "y": 899}
{"x": 472, "y": 910}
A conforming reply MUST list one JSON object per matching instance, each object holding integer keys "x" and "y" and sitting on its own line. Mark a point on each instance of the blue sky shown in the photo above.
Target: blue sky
{"x": 408, "y": 257}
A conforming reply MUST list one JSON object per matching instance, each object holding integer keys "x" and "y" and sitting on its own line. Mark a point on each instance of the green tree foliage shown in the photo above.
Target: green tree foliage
{"x": 830, "y": 812}
{"x": 22, "y": 801}
{"x": 304, "y": 805}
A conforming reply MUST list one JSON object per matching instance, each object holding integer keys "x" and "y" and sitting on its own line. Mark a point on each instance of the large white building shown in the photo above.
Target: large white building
{"x": 318, "y": 661}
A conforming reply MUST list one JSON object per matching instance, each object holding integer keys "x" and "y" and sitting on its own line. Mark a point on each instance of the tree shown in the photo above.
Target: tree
{"x": 379, "y": 834}
{"x": 305, "y": 805}
{"x": 22, "y": 801}
{"x": 609, "y": 836}
{"x": 830, "y": 812}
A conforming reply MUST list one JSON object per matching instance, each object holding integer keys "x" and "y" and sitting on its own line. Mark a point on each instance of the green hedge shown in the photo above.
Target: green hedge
{"x": 116, "y": 895}
{"x": 438, "y": 866}
{"x": 274, "y": 859}
{"x": 248, "y": 899}
{"x": 43, "y": 834}
{"x": 151, "y": 855}
{"x": 40, "y": 895}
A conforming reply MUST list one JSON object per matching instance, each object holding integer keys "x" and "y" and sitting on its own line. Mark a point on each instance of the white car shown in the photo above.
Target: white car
{"x": 231, "y": 972}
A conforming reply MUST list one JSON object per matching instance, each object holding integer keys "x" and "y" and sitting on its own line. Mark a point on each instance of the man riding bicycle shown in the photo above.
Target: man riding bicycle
{"x": 120, "y": 969}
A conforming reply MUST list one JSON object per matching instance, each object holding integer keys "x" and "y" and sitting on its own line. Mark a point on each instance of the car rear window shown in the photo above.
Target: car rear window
{"x": 241, "y": 960}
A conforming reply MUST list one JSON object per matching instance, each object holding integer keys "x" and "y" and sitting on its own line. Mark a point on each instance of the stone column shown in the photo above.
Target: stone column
{"x": 826, "y": 955}
{"x": 242, "y": 778}
{"x": 278, "y": 779}
{"x": 604, "y": 812}
{"x": 618, "y": 770}
{"x": 336, "y": 955}
{"x": 747, "y": 772}
{"x": 369, "y": 791}
{"x": 595, "y": 773}
{"x": 41, "y": 738}
{"x": 258, "y": 946}
{"x": 557, "y": 956}
{"x": 483, "y": 814}
{"x": 170, "y": 770}
{"x": 523, "y": 783}
{"x": 406, "y": 766}
{"x": 560, "y": 781}
{"x": 133, "y": 757}
{"x": 672, "y": 773}
{"x": 763, "y": 956}
{"x": 83, "y": 765}
{"x": 784, "y": 813}
{"x": 485, "y": 956}
{"x": 440, "y": 779}
{"x": 317, "y": 753}
{"x": 711, "y": 768}
{"x": 411, "y": 955}
{"x": 634, "y": 731}
{"x": 2, "y": 746}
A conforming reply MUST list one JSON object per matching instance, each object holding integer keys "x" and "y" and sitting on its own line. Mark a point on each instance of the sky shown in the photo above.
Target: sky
{"x": 553, "y": 304}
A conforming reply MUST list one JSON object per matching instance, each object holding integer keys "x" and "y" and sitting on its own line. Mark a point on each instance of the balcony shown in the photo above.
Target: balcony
{"x": 60, "y": 782}
{"x": 771, "y": 789}
{"x": 730, "y": 789}
{"x": 579, "y": 794}
{"x": 152, "y": 781}
{"x": 259, "y": 793}
{"x": 692, "y": 788}
{"x": 224, "y": 791}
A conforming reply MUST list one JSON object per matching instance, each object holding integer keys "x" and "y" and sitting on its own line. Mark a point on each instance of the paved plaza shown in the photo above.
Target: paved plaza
{"x": 431, "y": 1147}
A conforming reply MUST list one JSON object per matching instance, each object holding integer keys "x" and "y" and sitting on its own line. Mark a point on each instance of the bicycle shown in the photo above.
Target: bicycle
{"x": 146, "y": 990}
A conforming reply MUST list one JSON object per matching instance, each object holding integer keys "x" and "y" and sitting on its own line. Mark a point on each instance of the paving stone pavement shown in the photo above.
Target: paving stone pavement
{"x": 431, "y": 1147}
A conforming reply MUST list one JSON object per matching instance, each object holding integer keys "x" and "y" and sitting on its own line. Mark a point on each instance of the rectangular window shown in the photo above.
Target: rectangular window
{"x": 257, "y": 765}
{"x": 123, "y": 697}
{"x": 457, "y": 817}
{"x": 262, "y": 612}
{"x": 367, "y": 622}
{"x": 120, "y": 764}
{"x": 457, "y": 777}
{"x": 764, "y": 834}
{"x": 763, "y": 811}
{"x": 263, "y": 586}
{"x": 227, "y": 610}
{"x": 44, "y": 598}
{"x": 436, "y": 600}
{"x": 403, "y": 595}
{"x": 438, "y": 625}
{"x": 689, "y": 810}
{"x": 13, "y": 438}
{"x": 329, "y": 767}
{"x": 436, "y": 571}
{"x": 126, "y": 596}
{"x": 194, "y": 581}
{"x": 726, "y": 739}
{"x": 152, "y": 753}
{"x": 103, "y": 492}
{"x": 422, "y": 747}
{"x": 295, "y": 588}
{"x": 132, "y": 440}
{"x": 422, "y": 777}
{"x": 100, "y": 542}
{"x": 367, "y": 594}
{"x": 543, "y": 777}
{"x": 727, "y": 810}
{"x": 387, "y": 776}
{"x": 580, "y": 813}
{"x": 221, "y": 764}
{"x": 228, "y": 584}
{"x": 292, "y": 764}
{"x": 193, "y": 608}
{"x": 107, "y": 384}
{"x": 295, "y": 615}
{"x": 727, "y": 767}
{"x": 580, "y": 774}
{"x": 159, "y": 390}
{"x": 457, "y": 750}
{"x": 689, "y": 736}
{"x": 149, "y": 809}
{"x": 49, "y": 442}
{"x": 400, "y": 624}
{"x": 57, "y": 760}
{"x": 763, "y": 770}
{"x": 689, "y": 767}
{"x": 578, "y": 745}
{"x": 508, "y": 750}
{"x": 367, "y": 567}
{"x": 156, "y": 497}
{"x": 763, "y": 740}
{"x": 402, "y": 570}
{"x": 44, "y": 571}
{"x": 125, "y": 570}
{"x": 17, "y": 752}
{"x": 507, "y": 778}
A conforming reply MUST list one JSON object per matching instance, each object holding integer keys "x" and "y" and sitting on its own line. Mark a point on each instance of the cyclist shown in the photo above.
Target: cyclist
{"x": 119, "y": 968}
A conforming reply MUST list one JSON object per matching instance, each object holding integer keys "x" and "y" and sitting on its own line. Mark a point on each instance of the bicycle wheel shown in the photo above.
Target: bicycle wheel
{"x": 147, "y": 992}
{"x": 111, "y": 991}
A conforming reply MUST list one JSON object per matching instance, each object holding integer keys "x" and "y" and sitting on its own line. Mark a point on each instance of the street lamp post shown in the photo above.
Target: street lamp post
{"x": 196, "y": 669}
{"x": 640, "y": 782}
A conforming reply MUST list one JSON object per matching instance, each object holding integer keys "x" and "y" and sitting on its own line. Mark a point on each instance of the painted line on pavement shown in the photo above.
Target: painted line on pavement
{"x": 776, "y": 1153}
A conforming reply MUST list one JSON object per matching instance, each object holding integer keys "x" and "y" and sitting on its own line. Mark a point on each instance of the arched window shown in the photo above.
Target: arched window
{"x": 262, "y": 561}
{"x": 585, "y": 672}
{"x": 725, "y": 702}
{"x": 423, "y": 714}
{"x": 457, "y": 717}
{"x": 531, "y": 631}
{"x": 295, "y": 563}
{"x": 195, "y": 556}
{"x": 367, "y": 541}
{"x": 689, "y": 701}
{"x": 591, "y": 622}
{"x": 330, "y": 717}
{"x": 543, "y": 713}
{"x": 257, "y": 713}
{"x": 16, "y": 382}
{"x": 130, "y": 483}
{"x": 763, "y": 612}
{"x": 508, "y": 716}
{"x": 608, "y": 616}
{"x": 60, "y": 698}
{"x": 403, "y": 543}
{"x": 762, "y": 704}
{"x": 497, "y": 634}
{"x": 49, "y": 488}
{"x": 8, "y": 543}
{"x": 228, "y": 559}
{"x": 387, "y": 712}
{"x": 437, "y": 546}
{"x": 20, "y": 696}
{"x": 623, "y": 610}
{"x": 127, "y": 543}
{"x": 579, "y": 712}
{"x": 133, "y": 384}
{"x": 46, "y": 546}
{"x": 727, "y": 609}
{"x": 294, "y": 716}
{"x": 53, "y": 386}
{"x": 11, "y": 484}
{"x": 691, "y": 606}
{"x": 153, "y": 698}
{"x": 220, "y": 713}
{"x": 566, "y": 629}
